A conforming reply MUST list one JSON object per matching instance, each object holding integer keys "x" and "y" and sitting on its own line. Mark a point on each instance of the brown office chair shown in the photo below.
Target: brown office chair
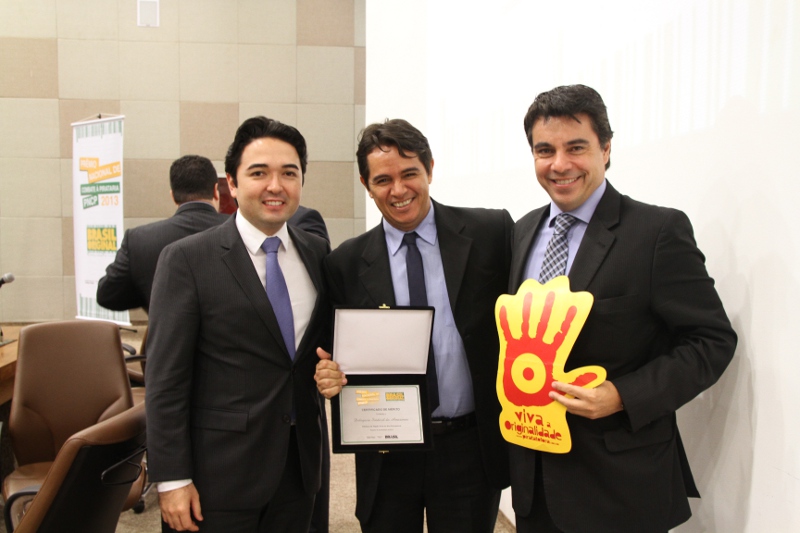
{"x": 136, "y": 371}
{"x": 87, "y": 485}
{"x": 70, "y": 375}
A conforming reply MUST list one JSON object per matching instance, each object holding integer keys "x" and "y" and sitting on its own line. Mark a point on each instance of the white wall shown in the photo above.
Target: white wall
{"x": 704, "y": 99}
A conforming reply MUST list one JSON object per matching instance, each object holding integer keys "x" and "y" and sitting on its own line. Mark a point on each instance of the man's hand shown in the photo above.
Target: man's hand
{"x": 178, "y": 506}
{"x": 602, "y": 401}
{"x": 328, "y": 377}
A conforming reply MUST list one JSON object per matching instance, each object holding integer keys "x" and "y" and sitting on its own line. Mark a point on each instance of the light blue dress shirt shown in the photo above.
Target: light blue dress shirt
{"x": 574, "y": 236}
{"x": 452, "y": 370}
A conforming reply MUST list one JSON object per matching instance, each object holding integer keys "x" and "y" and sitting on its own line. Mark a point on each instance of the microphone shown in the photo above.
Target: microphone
{"x": 8, "y": 277}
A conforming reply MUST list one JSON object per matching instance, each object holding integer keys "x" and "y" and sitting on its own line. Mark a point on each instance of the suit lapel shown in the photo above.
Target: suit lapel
{"x": 525, "y": 232}
{"x": 237, "y": 259}
{"x": 454, "y": 248}
{"x": 375, "y": 273}
{"x": 314, "y": 268}
{"x": 596, "y": 241}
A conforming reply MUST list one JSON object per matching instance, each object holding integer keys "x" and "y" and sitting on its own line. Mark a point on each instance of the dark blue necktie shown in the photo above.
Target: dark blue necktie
{"x": 418, "y": 296}
{"x": 278, "y": 293}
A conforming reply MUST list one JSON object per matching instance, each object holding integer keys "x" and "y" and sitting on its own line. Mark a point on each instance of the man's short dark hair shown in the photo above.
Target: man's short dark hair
{"x": 398, "y": 133}
{"x": 258, "y": 128}
{"x": 569, "y": 101}
{"x": 192, "y": 177}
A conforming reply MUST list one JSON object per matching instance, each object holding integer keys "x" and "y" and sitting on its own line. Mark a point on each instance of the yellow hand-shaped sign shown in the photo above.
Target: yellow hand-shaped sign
{"x": 530, "y": 363}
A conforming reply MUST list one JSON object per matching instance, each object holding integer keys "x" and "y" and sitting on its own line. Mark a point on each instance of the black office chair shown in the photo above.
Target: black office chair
{"x": 88, "y": 483}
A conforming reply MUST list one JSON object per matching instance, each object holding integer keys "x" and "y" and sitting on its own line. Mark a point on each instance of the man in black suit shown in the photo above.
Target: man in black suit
{"x": 657, "y": 326}
{"x": 466, "y": 257}
{"x": 233, "y": 415}
{"x": 129, "y": 279}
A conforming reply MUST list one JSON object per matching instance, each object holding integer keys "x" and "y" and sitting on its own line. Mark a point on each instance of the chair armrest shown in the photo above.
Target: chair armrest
{"x": 13, "y": 503}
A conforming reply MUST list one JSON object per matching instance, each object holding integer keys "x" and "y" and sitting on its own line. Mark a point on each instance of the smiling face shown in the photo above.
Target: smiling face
{"x": 268, "y": 183}
{"x": 399, "y": 187}
{"x": 570, "y": 163}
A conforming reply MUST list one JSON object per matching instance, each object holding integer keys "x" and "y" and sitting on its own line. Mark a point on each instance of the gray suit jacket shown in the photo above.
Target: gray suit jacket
{"x": 475, "y": 248}
{"x": 220, "y": 384}
{"x": 658, "y": 327}
{"x": 129, "y": 279}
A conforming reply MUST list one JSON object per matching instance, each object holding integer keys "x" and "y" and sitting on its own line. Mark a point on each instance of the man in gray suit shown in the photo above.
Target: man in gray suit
{"x": 657, "y": 326}
{"x": 129, "y": 279}
{"x": 237, "y": 313}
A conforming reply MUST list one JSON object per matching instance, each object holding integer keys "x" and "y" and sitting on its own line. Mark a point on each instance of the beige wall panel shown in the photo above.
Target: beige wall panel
{"x": 147, "y": 188}
{"x": 329, "y": 188}
{"x": 34, "y": 19}
{"x": 208, "y": 129}
{"x": 130, "y": 223}
{"x": 286, "y": 113}
{"x": 29, "y": 68}
{"x": 70, "y": 111}
{"x": 339, "y": 230}
{"x": 360, "y": 76}
{"x": 65, "y": 171}
{"x": 68, "y": 247}
{"x": 359, "y": 226}
{"x": 88, "y": 19}
{"x": 267, "y": 73}
{"x": 29, "y": 127}
{"x": 88, "y": 69}
{"x": 167, "y": 30}
{"x": 152, "y": 129}
{"x": 328, "y": 130}
{"x": 360, "y": 23}
{"x": 30, "y": 187}
{"x": 149, "y": 71}
{"x": 325, "y": 75}
{"x": 70, "y": 299}
{"x": 325, "y": 22}
{"x": 208, "y": 21}
{"x": 360, "y": 197}
{"x": 31, "y": 246}
{"x": 273, "y": 22}
{"x": 209, "y": 72}
{"x": 34, "y": 299}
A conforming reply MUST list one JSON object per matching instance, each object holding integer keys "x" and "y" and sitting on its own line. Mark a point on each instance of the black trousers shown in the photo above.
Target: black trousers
{"x": 447, "y": 485}
{"x": 289, "y": 510}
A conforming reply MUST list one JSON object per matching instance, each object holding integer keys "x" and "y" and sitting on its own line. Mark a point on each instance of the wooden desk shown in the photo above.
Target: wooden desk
{"x": 8, "y": 363}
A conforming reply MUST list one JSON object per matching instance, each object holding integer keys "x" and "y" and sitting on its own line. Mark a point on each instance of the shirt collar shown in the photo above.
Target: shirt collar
{"x": 583, "y": 212}
{"x": 426, "y": 231}
{"x": 253, "y": 237}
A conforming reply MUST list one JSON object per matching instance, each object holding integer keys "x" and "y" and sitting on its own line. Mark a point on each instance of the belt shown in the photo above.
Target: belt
{"x": 443, "y": 426}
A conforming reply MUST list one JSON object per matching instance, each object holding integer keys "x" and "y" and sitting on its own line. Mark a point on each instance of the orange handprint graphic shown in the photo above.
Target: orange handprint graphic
{"x": 529, "y": 364}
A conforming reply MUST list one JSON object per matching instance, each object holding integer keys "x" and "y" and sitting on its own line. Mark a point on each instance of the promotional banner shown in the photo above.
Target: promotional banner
{"x": 96, "y": 208}
{"x": 531, "y": 360}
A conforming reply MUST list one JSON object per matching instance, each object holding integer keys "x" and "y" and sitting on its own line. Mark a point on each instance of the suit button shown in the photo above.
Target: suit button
{"x": 286, "y": 419}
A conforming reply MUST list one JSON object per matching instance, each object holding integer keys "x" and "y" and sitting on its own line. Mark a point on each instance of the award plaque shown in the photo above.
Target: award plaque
{"x": 384, "y": 354}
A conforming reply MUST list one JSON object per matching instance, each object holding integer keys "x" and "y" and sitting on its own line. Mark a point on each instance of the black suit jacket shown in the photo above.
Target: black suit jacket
{"x": 129, "y": 279}
{"x": 220, "y": 384}
{"x": 309, "y": 220}
{"x": 658, "y": 327}
{"x": 475, "y": 248}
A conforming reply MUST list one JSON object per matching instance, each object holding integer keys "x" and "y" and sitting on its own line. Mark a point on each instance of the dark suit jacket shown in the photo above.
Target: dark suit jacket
{"x": 659, "y": 329}
{"x": 475, "y": 248}
{"x": 220, "y": 383}
{"x": 311, "y": 221}
{"x": 129, "y": 279}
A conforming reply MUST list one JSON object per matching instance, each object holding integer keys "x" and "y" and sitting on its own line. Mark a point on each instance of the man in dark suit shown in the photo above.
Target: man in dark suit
{"x": 129, "y": 279}
{"x": 465, "y": 258}
{"x": 233, "y": 415}
{"x": 657, "y": 326}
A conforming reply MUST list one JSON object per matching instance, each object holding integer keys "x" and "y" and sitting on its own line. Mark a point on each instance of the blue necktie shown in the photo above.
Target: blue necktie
{"x": 555, "y": 257}
{"x": 278, "y": 294}
{"x": 418, "y": 296}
